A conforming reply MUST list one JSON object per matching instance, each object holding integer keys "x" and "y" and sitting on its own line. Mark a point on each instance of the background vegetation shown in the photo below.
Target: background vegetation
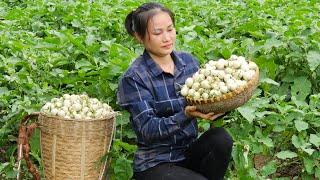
{"x": 52, "y": 47}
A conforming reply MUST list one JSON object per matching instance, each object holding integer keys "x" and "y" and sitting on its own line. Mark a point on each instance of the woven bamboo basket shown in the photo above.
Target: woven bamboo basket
{"x": 72, "y": 149}
{"x": 228, "y": 101}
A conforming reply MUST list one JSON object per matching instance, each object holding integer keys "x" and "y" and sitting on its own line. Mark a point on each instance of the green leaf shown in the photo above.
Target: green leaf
{"x": 270, "y": 43}
{"x": 247, "y": 112}
{"x": 110, "y": 71}
{"x": 308, "y": 150}
{"x": 313, "y": 58}
{"x": 301, "y": 88}
{"x": 301, "y": 125}
{"x": 314, "y": 139}
{"x": 317, "y": 172}
{"x": 4, "y": 91}
{"x": 82, "y": 63}
{"x": 76, "y": 23}
{"x": 297, "y": 142}
{"x": 315, "y": 101}
{"x": 129, "y": 133}
{"x": 128, "y": 147}
{"x": 308, "y": 164}
{"x": 113, "y": 86}
{"x": 267, "y": 141}
{"x": 90, "y": 39}
{"x": 226, "y": 53}
{"x": 269, "y": 81}
{"x": 269, "y": 168}
{"x": 35, "y": 141}
{"x": 279, "y": 128}
{"x": 286, "y": 155}
{"x": 123, "y": 169}
{"x": 123, "y": 145}
{"x": 3, "y": 166}
{"x": 123, "y": 118}
{"x": 204, "y": 125}
{"x": 266, "y": 64}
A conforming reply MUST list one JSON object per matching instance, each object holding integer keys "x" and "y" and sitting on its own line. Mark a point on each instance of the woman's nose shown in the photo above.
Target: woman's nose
{"x": 166, "y": 37}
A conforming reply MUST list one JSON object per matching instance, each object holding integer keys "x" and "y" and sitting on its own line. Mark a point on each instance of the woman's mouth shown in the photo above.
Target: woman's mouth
{"x": 168, "y": 46}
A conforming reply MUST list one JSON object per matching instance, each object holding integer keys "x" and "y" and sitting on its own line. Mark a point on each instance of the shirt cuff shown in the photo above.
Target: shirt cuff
{"x": 182, "y": 119}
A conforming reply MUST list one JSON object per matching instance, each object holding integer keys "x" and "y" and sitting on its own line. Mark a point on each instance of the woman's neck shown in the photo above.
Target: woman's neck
{"x": 166, "y": 62}
{"x": 162, "y": 60}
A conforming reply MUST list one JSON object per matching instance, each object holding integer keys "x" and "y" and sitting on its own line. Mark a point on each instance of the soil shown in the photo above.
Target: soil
{"x": 290, "y": 170}
{"x": 260, "y": 161}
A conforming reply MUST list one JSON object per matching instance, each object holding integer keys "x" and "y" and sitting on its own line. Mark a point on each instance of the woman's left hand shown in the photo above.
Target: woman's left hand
{"x": 192, "y": 111}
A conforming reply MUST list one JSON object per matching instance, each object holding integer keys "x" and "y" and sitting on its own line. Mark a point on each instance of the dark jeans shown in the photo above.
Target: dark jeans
{"x": 207, "y": 158}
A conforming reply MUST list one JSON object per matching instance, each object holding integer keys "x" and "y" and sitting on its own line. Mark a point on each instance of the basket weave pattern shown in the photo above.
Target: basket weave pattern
{"x": 71, "y": 149}
{"x": 228, "y": 101}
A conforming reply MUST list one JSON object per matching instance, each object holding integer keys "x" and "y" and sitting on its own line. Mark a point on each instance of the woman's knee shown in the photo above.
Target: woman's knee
{"x": 221, "y": 139}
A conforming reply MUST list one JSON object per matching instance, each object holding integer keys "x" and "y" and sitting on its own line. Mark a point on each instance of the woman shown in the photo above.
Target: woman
{"x": 166, "y": 129}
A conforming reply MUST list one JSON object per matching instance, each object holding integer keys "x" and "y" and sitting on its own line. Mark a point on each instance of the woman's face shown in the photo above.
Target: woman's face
{"x": 161, "y": 35}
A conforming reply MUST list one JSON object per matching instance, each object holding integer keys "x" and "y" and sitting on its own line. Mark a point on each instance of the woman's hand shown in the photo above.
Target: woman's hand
{"x": 192, "y": 111}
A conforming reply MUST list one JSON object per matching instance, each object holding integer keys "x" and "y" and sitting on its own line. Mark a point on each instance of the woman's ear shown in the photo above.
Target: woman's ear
{"x": 138, "y": 38}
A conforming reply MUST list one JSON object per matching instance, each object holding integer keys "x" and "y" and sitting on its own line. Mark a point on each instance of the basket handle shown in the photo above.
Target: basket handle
{"x": 25, "y": 132}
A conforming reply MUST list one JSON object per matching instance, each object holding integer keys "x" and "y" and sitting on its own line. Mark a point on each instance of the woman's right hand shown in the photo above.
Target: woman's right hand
{"x": 192, "y": 111}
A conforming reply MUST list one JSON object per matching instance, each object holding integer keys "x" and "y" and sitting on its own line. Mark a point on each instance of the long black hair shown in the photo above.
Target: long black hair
{"x": 137, "y": 20}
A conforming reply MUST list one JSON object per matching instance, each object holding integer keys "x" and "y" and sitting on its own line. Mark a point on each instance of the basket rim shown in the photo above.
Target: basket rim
{"x": 112, "y": 115}
{"x": 253, "y": 82}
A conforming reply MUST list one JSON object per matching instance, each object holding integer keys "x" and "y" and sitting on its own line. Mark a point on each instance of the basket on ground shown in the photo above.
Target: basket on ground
{"x": 72, "y": 149}
{"x": 228, "y": 101}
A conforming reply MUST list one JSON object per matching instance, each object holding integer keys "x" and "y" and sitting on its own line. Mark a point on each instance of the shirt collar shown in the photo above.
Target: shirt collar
{"x": 155, "y": 68}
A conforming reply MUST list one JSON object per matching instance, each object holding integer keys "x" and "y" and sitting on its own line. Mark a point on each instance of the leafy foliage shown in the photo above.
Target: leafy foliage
{"x": 48, "y": 48}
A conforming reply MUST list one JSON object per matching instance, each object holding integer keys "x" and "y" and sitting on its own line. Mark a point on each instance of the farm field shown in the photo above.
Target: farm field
{"x": 50, "y": 48}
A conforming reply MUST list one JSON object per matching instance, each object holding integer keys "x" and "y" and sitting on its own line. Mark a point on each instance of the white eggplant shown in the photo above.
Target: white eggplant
{"x": 216, "y": 78}
{"x": 76, "y": 107}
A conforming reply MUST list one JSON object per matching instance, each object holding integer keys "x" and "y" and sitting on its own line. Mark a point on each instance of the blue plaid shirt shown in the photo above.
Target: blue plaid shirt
{"x": 156, "y": 108}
